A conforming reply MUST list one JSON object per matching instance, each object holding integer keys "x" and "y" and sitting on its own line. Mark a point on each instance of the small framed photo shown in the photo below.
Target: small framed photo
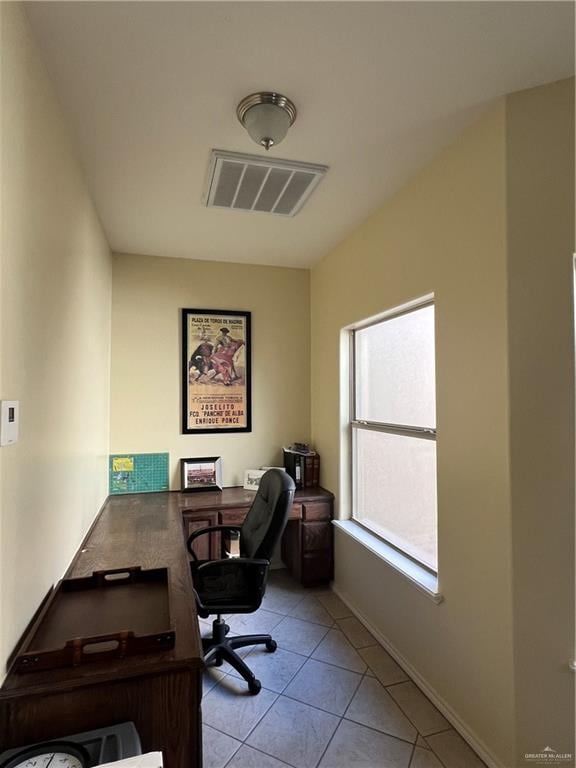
{"x": 201, "y": 474}
{"x": 252, "y": 479}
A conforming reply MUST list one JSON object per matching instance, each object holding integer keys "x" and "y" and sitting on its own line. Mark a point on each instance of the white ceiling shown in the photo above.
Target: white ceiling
{"x": 150, "y": 87}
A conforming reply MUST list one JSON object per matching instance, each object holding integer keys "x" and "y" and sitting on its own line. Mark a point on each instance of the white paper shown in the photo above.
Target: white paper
{"x": 149, "y": 760}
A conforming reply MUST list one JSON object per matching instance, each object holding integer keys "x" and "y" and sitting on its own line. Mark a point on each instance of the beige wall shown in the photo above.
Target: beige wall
{"x": 488, "y": 227}
{"x": 55, "y": 282}
{"x": 148, "y": 294}
{"x": 540, "y": 176}
{"x": 444, "y": 233}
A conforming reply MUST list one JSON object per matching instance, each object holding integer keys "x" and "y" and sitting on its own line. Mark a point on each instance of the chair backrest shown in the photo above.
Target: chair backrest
{"x": 267, "y": 517}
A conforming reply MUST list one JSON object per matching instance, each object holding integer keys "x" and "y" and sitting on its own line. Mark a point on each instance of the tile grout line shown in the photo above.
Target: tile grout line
{"x": 310, "y": 621}
{"x": 377, "y": 730}
{"x": 340, "y": 719}
{"x": 335, "y": 626}
{"x": 265, "y": 608}
{"x": 312, "y": 658}
{"x": 402, "y": 682}
{"x": 384, "y": 733}
{"x": 444, "y": 730}
{"x": 313, "y": 706}
{"x": 330, "y": 740}
{"x": 259, "y": 749}
{"x": 407, "y": 717}
{"x": 442, "y": 763}
{"x": 349, "y": 720}
{"x": 308, "y": 657}
{"x": 226, "y": 674}
{"x": 277, "y": 695}
{"x": 362, "y": 678}
{"x": 331, "y": 664}
{"x": 280, "y": 693}
{"x": 258, "y": 721}
{"x": 325, "y": 711}
{"x": 298, "y": 702}
{"x": 233, "y": 753}
{"x": 243, "y": 744}
{"x": 412, "y": 722}
{"x": 409, "y": 680}
{"x": 436, "y": 755}
{"x": 320, "y": 708}
{"x": 336, "y": 666}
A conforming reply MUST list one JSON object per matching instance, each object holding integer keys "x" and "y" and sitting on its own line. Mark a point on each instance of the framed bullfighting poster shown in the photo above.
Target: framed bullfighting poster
{"x": 216, "y": 385}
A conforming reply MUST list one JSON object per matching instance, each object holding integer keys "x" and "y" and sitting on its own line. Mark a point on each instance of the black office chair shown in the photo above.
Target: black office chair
{"x": 237, "y": 584}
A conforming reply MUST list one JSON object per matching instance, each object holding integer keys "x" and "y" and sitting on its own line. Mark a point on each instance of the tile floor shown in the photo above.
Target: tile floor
{"x": 331, "y": 696}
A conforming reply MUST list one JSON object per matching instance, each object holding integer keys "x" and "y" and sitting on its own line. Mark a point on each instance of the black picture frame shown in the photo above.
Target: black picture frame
{"x": 203, "y": 473}
{"x": 216, "y": 379}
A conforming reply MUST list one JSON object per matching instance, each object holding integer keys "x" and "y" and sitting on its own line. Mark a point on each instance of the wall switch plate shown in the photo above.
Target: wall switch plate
{"x": 9, "y": 421}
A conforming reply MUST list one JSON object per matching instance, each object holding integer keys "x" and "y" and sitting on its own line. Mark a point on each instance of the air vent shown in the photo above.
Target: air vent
{"x": 253, "y": 183}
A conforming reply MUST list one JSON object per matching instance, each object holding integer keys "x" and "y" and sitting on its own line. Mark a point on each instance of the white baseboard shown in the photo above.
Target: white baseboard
{"x": 453, "y": 718}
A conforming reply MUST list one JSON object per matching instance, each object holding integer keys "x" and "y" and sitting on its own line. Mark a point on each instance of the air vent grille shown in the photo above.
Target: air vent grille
{"x": 253, "y": 183}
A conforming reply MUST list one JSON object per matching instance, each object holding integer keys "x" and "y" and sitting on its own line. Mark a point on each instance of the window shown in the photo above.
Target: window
{"x": 393, "y": 424}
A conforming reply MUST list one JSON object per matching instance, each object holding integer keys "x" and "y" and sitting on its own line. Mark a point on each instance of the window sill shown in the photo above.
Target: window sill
{"x": 425, "y": 581}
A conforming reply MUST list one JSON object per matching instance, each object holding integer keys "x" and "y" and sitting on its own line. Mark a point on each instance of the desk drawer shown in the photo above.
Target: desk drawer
{"x": 295, "y": 512}
{"x": 318, "y": 510}
{"x": 233, "y": 516}
{"x": 237, "y": 516}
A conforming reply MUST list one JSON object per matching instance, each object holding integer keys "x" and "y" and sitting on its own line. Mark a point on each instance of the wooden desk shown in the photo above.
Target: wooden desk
{"x": 307, "y": 544}
{"x": 160, "y": 693}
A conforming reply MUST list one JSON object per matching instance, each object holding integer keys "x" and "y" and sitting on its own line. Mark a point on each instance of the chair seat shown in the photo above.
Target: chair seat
{"x": 219, "y": 592}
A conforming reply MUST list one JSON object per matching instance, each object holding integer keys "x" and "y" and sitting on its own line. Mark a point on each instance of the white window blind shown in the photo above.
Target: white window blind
{"x": 394, "y": 432}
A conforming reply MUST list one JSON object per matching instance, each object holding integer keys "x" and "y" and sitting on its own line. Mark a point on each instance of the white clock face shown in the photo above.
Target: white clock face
{"x": 52, "y": 759}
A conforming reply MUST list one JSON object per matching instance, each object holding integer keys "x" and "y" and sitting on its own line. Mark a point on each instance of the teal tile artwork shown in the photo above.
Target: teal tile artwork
{"x": 138, "y": 472}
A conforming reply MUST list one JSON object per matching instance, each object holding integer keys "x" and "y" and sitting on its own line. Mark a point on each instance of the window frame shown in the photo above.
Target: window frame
{"x": 404, "y": 430}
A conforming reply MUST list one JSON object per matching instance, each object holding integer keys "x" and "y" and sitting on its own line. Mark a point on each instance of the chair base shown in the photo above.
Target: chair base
{"x": 219, "y": 648}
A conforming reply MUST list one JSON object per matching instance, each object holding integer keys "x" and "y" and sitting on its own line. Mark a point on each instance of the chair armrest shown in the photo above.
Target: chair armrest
{"x": 209, "y": 529}
{"x": 233, "y": 564}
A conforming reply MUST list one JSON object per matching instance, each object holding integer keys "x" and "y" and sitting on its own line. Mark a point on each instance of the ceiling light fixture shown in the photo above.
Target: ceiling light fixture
{"x": 266, "y": 116}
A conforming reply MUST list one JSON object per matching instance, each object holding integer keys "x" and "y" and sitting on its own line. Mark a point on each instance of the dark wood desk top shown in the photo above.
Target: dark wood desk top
{"x": 136, "y": 529}
{"x": 145, "y": 530}
{"x": 238, "y": 497}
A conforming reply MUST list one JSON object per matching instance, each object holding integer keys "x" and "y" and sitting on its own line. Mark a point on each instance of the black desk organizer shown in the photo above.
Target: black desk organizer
{"x": 108, "y": 615}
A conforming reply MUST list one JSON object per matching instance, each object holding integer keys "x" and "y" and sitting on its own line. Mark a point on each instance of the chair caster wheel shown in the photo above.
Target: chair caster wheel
{"x": 254, "y": 686}
{"x": 226, "y": 629}
{"x": 218, "y": 663}
{"x": 271, "y": 646}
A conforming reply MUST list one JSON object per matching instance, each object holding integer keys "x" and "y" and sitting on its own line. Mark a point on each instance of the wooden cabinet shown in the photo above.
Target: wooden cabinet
{"x": 233, "y": 516}
{"x": 307, "y": 544}
{"x": 205, "y": 547}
